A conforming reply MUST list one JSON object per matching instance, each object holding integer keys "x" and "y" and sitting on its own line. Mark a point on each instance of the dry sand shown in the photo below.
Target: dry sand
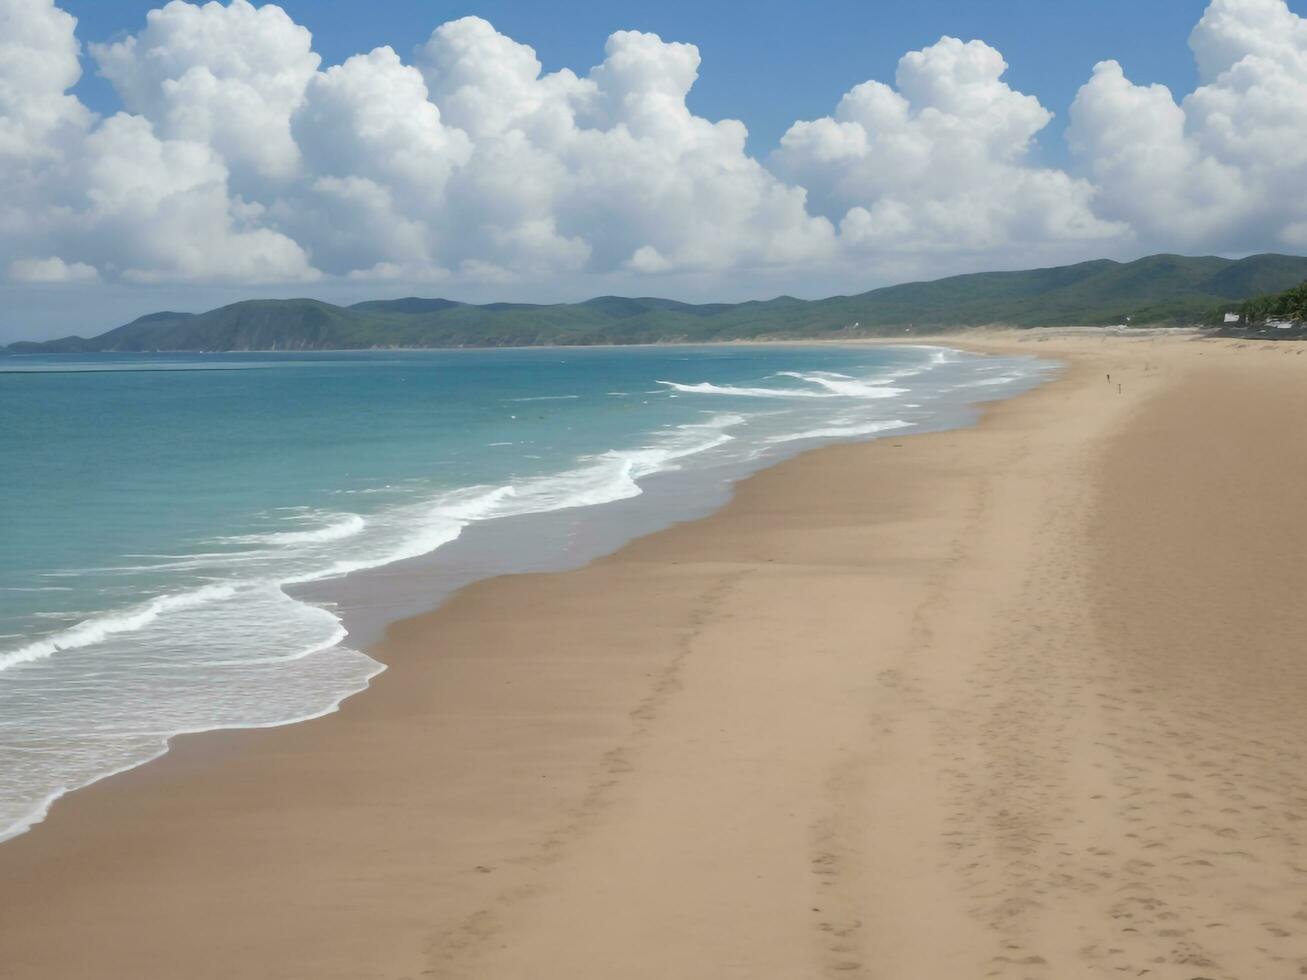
{"x": 1023, "y": 700}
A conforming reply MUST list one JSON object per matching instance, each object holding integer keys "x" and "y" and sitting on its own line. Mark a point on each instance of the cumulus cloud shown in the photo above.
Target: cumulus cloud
{"x": 38, "y": 64}
{"x": 607, "y": 171}
{"x": 159, "y": 210}
{"x": 487, "y": 84}
{"x": 113, "y": 196}
{"x": 238, "y": 157}
{"x": 940, "y": 164}
{"x": 377, "y": 159}
{"x": 475, "y": 163}
{"x": 228, "y": 77}
{"x": 1224, "y": 168}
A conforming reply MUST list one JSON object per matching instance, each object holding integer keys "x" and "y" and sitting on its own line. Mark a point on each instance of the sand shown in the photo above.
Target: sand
{"x": 1023, "y": 700}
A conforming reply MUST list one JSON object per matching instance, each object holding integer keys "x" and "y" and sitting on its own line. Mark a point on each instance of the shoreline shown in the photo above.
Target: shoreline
{"x": 365, "y": 601}
{"x": 917, "y": 340}
{"x": 548, "y": 779}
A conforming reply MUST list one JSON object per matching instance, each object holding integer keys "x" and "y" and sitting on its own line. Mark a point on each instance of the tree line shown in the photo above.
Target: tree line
{"x": 1288, "y": 305}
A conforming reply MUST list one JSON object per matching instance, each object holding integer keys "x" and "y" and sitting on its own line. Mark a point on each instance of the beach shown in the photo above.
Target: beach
{"x": 1018, "y": 700}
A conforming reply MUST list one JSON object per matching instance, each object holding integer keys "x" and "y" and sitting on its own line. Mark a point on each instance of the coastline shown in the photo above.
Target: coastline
{"x": 548, "y": 780}
{"x": 384, "y": 585}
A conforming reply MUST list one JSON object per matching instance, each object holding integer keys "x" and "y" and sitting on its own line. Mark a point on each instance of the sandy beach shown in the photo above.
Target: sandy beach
{"x": 1022, "y": 700}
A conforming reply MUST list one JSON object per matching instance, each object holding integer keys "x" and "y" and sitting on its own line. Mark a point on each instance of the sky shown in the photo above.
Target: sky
{"x": 187, "y": 155}
{"x": 767, "y": 62}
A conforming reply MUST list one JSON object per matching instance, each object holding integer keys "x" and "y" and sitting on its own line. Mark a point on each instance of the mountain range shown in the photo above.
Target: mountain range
{"x": 1159, "y": 289}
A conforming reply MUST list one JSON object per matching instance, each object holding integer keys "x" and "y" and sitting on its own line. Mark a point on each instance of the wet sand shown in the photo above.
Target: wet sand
{"x": 1020, "y": 700}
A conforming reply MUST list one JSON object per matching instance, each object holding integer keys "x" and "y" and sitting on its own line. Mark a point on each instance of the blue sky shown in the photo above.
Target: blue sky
{"x": 765, "y": 62}
{"x": 352, "y": 150}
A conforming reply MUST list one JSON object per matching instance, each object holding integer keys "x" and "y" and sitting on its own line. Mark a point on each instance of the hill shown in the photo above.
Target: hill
{"x": 1157, "y": 289}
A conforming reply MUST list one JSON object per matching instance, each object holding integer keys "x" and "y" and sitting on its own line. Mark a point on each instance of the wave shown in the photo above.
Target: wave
{"x": 941, "y": 355}
{"x": 424, "y": 529}
{"x": 1002, "y": 379}
{"x": 419, "y": 529}
{"x": 708, "y": 388}
{"x": 844, "y": 431}
{"x": 337, "y": 636}
{"x": 824, "y": 384}
{"x": 39, "y": 809}
{"x": 401, "y": 533}
{"x": 99, "y": 628}
{"x": 849, "y": 387}
{"x": 338, "y": 527}
{"x": 615, "y": 475}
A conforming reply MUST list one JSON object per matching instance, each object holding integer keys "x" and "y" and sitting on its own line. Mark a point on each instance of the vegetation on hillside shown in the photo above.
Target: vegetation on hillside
{"x": 1160, "y": 289}
{"x": 1288, "y": 305}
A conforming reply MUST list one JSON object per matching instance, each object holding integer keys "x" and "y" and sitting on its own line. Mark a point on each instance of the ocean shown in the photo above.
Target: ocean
{"x": 163, "y": 516}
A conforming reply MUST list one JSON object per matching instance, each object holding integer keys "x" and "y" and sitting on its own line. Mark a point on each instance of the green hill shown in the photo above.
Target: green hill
{"x": 1158, "y": 289}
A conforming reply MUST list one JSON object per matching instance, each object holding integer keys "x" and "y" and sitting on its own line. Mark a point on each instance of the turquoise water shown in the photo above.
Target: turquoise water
{"x": 153, "y": 508}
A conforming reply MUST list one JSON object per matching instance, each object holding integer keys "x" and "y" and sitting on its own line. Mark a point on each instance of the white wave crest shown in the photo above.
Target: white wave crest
{"x": 337, "y": 527}
{"x": 707, "y": 388}
{"x": 99, "y": 628}
{"x": 847, "y": 387}
{"x": 615, "y": 475}
{"x": 844, "y": 431}
{"x": 338, "y": 635}
{"x": 826, "y": 384}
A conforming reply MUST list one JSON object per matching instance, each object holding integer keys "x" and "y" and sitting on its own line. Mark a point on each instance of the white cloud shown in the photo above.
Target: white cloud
{"x": 1225, "y": 168}
{"x": 38, "y": 64}
{"x": 239, "y": 159}
{"x": 484, "y": 167}
{"x": 159, "y": 210}
{"x": 52, "y": 269}
{"x": 41, "y": 126}
{"x": 941, "y": 164}
{"x": 488, "y": 84}
{"x": 113, "y": 198}
{"x": 377, "y": 158}
{"x": 606, "y": 171}
{"x": 227, "y": 76}
{"x": 1232, "y": 31}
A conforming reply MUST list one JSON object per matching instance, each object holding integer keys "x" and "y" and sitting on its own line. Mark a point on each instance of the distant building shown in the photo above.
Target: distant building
{"x": 1232, "y": 318}
{"x": 1281, "y": 324}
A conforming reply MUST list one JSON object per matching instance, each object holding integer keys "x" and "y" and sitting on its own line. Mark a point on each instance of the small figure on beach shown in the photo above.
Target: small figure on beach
{"x": 1109, "y": 377}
